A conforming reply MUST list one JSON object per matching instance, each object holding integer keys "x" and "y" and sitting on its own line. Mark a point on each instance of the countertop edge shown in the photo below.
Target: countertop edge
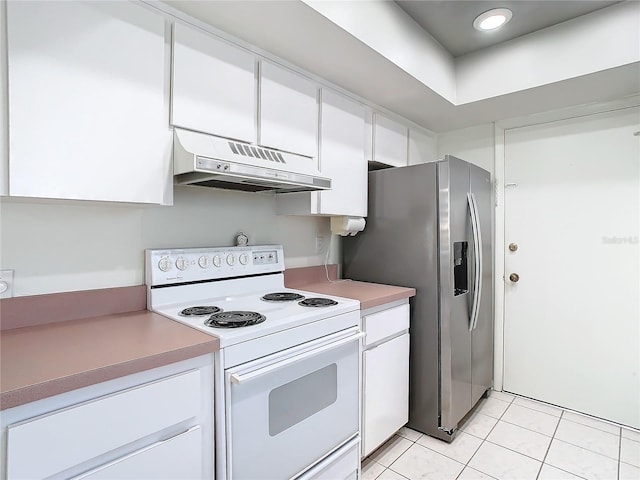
{"x": 386, "y": 299}
{"x": 369, "y": 294}
{"x": 31, "y": 393}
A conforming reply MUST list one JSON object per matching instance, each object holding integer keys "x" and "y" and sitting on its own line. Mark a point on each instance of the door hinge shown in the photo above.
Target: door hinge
{"x": 448, "y": 431}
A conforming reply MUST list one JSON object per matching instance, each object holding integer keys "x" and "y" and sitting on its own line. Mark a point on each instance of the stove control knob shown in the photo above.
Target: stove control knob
{"x": 231, "y": 259}
{"x": 182, "y": 263}
{"x": 164, "y": 264}
{"x": 203, "y": 261}
{"x": 244, "y": 259}
{"x": 217, "y": 261}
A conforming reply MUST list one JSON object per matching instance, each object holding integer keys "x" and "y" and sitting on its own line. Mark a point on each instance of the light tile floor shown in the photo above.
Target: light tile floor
{"x": 512, "y": 438}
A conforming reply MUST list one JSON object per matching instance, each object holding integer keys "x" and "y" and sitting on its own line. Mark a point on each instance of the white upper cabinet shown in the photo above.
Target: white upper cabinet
{"x": 390, "y": 141}
{"x": 342, "y": 156}
{"x": 422, "y": 147}
{"x": 288, "y": 111}
{"x": 342, "y": 146}
{"x": 214, "y": 86}
{"x": 87, "y": 101}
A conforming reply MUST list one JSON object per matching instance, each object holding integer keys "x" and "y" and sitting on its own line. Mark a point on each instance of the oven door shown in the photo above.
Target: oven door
{"x": 287, "y": 411}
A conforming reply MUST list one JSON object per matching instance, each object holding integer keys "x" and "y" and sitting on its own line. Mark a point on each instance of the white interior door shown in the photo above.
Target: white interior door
{"x": 572, "y": 321}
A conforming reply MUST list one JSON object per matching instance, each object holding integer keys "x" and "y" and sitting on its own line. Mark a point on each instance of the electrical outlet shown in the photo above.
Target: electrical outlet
{"x": 6, "y": 283}
{"x": 319, "y": 244}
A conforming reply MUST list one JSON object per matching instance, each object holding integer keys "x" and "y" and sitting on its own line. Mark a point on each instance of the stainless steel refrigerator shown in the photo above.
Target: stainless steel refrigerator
{"x": 429, "y": 227}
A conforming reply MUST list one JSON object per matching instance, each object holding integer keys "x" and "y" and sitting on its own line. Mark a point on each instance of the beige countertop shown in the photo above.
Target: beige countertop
{"x": 369, "y": 294}
{"x": 43, "y": 360}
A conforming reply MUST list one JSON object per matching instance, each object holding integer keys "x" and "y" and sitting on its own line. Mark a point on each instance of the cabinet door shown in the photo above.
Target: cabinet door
{"x": 288, "y": 111}
{"x": 214, "y": 86}
{"x": 386, "y": 391}
{"x": 88, "y": 117}
{"x": 389, "y": 141}
{"x": 342, "y": 156}
{"x": 177, "y": 458}
{"x": 422, "y": 147}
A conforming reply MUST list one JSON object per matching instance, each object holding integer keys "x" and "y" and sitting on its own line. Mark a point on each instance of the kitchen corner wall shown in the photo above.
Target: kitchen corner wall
{"x": 474, "y": 144}
{"x": 66, "y": 246}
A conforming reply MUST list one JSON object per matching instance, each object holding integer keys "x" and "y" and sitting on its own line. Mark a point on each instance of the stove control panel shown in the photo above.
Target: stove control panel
{"x": 175, "y": 266}
{"x": 267, "y": 257}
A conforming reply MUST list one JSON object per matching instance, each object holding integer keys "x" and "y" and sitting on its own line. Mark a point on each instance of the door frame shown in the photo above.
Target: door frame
{"x": 500, "y": 129}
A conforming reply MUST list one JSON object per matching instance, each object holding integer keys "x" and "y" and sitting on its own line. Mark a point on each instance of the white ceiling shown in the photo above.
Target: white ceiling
{"x": 450, "y": 22}
{"x": 303, "y": 34}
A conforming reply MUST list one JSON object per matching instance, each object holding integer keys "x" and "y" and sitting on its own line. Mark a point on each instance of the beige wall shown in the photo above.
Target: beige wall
{"x": 56, "y": 246}
{"x": 473, "y": 144}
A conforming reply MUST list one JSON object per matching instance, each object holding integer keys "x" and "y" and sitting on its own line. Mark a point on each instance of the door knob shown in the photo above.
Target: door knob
{"x": 513, "y": 247}
{"x": 514, "y": 277}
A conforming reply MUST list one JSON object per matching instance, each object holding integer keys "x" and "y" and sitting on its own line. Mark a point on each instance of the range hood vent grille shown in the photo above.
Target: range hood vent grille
{"x": 217, "y": 162}
{"x": 256, "y": 152}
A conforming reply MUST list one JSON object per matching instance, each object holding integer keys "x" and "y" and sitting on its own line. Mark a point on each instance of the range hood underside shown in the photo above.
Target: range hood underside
{"x": 229, "y": 182}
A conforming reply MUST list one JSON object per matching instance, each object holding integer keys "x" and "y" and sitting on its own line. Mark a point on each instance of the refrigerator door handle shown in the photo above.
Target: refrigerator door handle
{"x": 477, "y": 254}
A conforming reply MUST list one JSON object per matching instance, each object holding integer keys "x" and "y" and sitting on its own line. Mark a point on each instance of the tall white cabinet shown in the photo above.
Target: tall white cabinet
{"x": 342, "y": 158}
{"x": 213, "y": 85}
{"x": 87, "y": 101}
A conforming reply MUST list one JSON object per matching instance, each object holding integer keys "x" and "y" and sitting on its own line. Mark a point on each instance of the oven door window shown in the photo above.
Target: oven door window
{"x": 285, "y": 416}
{"x": 301, "y": 398}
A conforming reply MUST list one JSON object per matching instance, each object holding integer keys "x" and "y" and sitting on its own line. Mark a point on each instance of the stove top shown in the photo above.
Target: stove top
{"x": 244, "y": 284}
{"x": 278, "y": 316}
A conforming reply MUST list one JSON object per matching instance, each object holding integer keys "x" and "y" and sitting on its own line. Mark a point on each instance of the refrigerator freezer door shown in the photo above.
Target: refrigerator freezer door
{"x": 399, "y": 247}
{"x": 455, "y": 310}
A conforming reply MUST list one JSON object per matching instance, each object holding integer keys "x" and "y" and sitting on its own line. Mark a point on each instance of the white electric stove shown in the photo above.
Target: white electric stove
{"x": 287, "y": 373}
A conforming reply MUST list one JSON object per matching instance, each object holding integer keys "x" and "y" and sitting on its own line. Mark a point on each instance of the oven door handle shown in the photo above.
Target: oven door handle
{"x": 238, "y": 378}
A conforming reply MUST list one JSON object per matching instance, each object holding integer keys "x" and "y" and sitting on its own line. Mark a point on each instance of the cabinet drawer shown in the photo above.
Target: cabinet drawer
{"x": 52, "y": 443}
{"x": 341, "y": 465}
{"x": 385, "y": 323}
{"x": 177, "y": 458}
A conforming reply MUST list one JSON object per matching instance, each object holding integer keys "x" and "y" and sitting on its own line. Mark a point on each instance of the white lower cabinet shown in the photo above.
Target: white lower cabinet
{"x": 177, "y": 458}
{"x": 385, "y": 376}
{"x": 152, "y": 425}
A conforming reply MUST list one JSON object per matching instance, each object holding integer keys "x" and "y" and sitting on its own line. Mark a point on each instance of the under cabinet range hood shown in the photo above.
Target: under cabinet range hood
{"x": 210, "y": 161}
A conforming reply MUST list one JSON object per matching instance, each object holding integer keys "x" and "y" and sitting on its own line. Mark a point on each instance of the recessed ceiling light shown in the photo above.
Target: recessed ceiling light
{"x": 492, "y": 19}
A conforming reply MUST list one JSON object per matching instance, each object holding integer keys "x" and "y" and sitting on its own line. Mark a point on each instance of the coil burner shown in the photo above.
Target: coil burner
{"x": 282, "y": 297}
{"x": 200, "y": 310}
{"x": 317, "y": 302}
{"x": 234, "y": 319}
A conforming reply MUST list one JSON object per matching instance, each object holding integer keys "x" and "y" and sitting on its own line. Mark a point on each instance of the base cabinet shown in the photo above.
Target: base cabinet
{"x": 385, "y": 376}
{"x": 176, "y": 458}
{"x": 152, "y": 425}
